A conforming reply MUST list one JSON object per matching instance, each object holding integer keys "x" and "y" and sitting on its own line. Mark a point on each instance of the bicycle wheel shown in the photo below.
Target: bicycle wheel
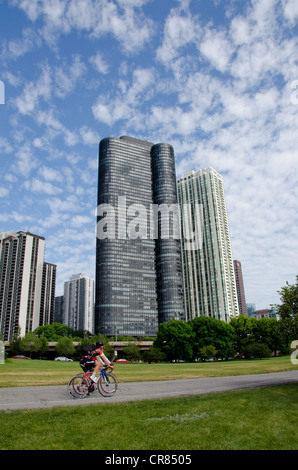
{"x": 117, "y": 383}
{"x": 110, "y": 371}
{"x": 78, "y": 386}
{"x": 107, "y": 385}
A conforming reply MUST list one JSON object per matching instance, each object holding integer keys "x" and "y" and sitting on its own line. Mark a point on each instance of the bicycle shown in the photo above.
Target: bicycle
{"x": 81, "y": 384}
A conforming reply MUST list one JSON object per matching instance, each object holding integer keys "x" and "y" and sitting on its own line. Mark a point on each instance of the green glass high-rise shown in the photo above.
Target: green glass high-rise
{"x": 138, "y": 273}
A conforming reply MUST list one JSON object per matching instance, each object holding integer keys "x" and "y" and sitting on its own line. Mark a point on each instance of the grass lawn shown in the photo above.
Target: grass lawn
{"x": 258, "y": 419}
{"x": 21, "y": 372}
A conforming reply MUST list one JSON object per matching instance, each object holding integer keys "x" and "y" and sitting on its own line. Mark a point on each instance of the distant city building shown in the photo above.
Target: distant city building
{"x": 251, "y": 309}
{"x": 27, "y": 284}
{"x": 59, "y": 301}
{"x": 138, "y": 273}
{"x": 78, "y": 303}
{"x": 208, "y": 270}
{"x": 47, "y": 301}
{"x": 267, "y": 313}
{"x": 240, "y": 288}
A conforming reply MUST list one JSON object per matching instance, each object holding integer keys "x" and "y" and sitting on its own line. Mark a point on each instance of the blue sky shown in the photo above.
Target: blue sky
{"x": 216, "y": 79}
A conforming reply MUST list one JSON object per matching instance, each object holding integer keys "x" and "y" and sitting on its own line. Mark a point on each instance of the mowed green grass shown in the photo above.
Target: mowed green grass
{"x": 257, "y": 419}
{"x": 264, "y": 418}
{"x": 21, "y": 372}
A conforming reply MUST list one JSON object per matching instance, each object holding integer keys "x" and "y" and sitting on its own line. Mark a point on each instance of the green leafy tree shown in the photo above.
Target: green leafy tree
{"x": 287, "y": 330}
{"x": 257, "y": 350}
{"x": 266, "y": 332}
{"x": 244, "y": 329}
{"x": 15, "y": 345}
{"x": 287, "y": 326}
{"x": 210, "y": 331}
{"x": 174, "y": 339}
{"x": 31, "y": 343}
{"x": 154, "y": 354}
{"x": 52, "y": 332}
{"x": 65, "y": 347}
{"x": 132, "y": 352}
{"x": 207, "y": 352}
{"x": 289, "y": 297}
{"x": 43, "y": 346}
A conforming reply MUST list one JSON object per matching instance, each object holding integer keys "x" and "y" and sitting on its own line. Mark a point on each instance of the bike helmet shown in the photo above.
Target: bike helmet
{"x": 99, "y": 344}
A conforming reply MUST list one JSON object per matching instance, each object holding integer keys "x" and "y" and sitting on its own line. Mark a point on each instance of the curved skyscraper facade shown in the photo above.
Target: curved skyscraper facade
{"x": 168, "y": 250}
{"x": 132, "y": 273}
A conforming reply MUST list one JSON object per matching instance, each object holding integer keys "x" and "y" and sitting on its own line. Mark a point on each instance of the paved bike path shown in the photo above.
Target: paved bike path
{"x": 18, "y": 398}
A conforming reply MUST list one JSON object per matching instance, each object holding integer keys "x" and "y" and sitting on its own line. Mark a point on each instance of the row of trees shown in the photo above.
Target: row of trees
{"x": 197, "y": 339}
{"x": 203, "y": 337}
{"x": 35, "y": 343}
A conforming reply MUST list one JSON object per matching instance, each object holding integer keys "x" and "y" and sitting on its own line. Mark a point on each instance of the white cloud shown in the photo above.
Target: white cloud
{"x": 55, "y": 128}
{"x": 126, "y": 23}
{"x": 99, "y": 64}
{"x": 179, "y": 31}
{"x": 39, "y": 186}
{"x": 70, "y": 204}
{"x": 89, "y": 136}
{"x": 4, "y": 191}
{"x": 131, "y": 29}
{"x": 26, "y": 161}
{"x": 16, "y": 48}
{"x": 124, "y": 105}
{"x": 66, "y": 77}
{"x": 291, "y": 10}
{"x": 217, "y": 49}
{"x": 33, "y": 92}
{"x": 79, "y": 220}
{"x": 5, "y": 146}
{"x": 50, "y": 174}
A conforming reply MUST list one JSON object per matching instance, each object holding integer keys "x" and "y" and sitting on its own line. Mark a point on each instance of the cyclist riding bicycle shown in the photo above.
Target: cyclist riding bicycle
{"x": 96, "y": 355}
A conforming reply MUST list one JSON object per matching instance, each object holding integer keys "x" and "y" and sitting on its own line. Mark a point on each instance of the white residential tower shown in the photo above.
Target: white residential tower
{"x": 208, "y": 271}
{"x": 78, "y": 307}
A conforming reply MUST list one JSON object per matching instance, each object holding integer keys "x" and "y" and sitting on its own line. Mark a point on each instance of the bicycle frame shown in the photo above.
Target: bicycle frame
{"x": 81, "y": 384}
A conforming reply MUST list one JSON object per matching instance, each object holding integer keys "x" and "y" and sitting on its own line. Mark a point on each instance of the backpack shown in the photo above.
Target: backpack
{"x": 86, "y": 362}
{"x": 88, "y": 349}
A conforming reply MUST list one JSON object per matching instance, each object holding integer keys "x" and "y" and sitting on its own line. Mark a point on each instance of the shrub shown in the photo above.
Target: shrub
{"x": 256, "y": 350}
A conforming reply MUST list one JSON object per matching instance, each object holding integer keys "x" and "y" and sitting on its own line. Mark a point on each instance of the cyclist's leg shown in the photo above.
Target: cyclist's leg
{"x": 96, "y": 371}
{"x": 112, "y": 373}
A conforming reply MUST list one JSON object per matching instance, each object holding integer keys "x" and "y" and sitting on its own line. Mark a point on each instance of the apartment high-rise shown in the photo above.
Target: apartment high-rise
{"x": 240, "y": 288}
{"x": 27, "y": 284}
{"x": 208, "y": 271}
{"x": 47, "y": 300}
{"x": 138, "y": 272}
{"x": 78, "y": 303}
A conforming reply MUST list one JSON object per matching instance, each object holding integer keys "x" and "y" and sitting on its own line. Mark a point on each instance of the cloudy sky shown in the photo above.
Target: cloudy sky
{"x": 217, "y": 79}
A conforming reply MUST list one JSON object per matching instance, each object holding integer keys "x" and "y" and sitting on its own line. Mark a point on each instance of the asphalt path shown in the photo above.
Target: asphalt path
{"x": 18, "y": 398}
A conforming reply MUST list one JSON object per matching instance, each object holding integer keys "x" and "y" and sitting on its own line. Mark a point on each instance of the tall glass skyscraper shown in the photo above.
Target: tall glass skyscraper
{"x": 138, "y": 273}
{"x": 208, "y": 271}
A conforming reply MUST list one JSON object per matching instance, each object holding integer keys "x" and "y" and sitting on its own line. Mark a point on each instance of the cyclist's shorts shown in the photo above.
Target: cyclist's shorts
{"x": 87, "y": 364}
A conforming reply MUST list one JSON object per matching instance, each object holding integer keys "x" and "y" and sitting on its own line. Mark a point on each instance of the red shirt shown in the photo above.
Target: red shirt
{"x": 97, "y": 352}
